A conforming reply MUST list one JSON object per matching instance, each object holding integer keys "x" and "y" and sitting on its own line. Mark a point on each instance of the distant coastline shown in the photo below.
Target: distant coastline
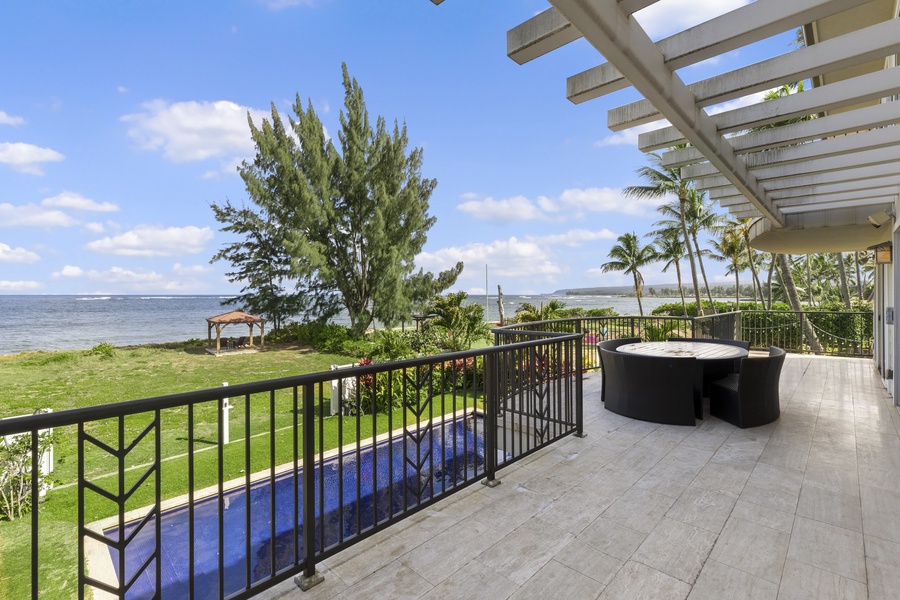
{"x": 621, "y": 290}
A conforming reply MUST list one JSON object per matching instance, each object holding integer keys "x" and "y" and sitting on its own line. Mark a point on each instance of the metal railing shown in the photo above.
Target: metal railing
{"x": 836, "y": 333}
{"x": 176, "y": 497}
{"x": 818, "y": 332}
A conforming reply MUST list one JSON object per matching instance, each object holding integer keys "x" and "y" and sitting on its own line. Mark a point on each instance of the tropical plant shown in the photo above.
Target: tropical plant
{"x": 661, "y": 182}
{"x": 670, "y": 249}
{"x": 461, "y": 324}
{"x": 730, "y": 248}
{"x": 16, "y": 498}
{"x": 701, "y": 218}
{"x": 628, "y": 256}
{"x": 529, "y": 313}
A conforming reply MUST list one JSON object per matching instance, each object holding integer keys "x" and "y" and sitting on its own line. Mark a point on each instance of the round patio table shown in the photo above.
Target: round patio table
{"x": 707, "y": 353}
{"x": 699, "y": 350}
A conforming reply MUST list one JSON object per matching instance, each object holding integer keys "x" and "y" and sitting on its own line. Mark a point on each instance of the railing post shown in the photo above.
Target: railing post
{"x": 579, "y": 392}
{"x": 310, "y": 577}
{"x": 491, "y": 379}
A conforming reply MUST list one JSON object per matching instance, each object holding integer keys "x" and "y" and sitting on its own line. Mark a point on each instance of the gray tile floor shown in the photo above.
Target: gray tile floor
{"x": 806, "y": 507}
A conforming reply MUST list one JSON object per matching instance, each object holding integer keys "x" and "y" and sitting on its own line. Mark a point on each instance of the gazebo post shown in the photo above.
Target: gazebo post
{"x": 218, "y": 337}
{"x": 262, "y": 335}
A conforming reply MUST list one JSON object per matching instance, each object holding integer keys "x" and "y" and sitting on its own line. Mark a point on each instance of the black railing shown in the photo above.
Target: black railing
{"x": 175, "y": 497}
{"x": 816, "y": 332}
{"x": 835, "y": 333}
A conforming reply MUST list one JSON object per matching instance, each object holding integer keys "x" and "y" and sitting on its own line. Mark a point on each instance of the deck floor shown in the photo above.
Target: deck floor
{"x": 806, "y": 507}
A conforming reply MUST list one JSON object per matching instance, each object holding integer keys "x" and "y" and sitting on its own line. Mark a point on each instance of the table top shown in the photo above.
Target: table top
{"x": 698, "y": 350}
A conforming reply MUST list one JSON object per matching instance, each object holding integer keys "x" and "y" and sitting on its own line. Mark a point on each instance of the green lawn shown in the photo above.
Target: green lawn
{"x": 73, "y": 379}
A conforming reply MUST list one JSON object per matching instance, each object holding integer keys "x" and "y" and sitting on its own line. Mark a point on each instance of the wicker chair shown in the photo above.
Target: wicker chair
{"x": 717, "y": 369}
{"x": 610, "y": 345}
{"x": 650, "y": 388}
{"x": 749, "y": 398}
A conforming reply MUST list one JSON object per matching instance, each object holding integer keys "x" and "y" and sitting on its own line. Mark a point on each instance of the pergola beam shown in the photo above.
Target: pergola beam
{"x": 837, "y": 153}
{"x": 606, "y": 27}
{"x": 870, "y": 117}
{"x": 745, "y": 25}
{"x": 549, "y": 30}
{"x": 872, "y": 86}
{"x": 873, "y": 42}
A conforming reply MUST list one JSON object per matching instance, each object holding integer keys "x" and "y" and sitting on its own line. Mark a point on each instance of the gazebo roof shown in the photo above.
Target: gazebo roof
{"x": 234, "y": 316}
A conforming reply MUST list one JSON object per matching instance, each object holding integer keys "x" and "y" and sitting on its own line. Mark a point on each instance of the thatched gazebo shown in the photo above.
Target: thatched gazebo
{"x": 231, "y": 318}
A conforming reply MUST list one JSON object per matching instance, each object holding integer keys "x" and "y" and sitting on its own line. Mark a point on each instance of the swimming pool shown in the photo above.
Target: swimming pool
{"x": 362, "y": 488}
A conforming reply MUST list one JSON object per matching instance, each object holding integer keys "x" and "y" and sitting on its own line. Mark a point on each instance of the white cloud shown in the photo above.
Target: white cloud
{"x": 121, "y": 89}
{"x": 94, "y": 227}
{"x": 30, "y": 215}
{"x": 146, "y": 241}
{"x": 629, "y": 137}
{"x": 191, "y": 131}
{"x": 572, "y": 204}
{"x": 69, "y": 271}
{"x": 572, "y": 238}
{"x": 19, "y": 286}
{"x": 547, "y": 204}
{"x": 78, "y": 202}
{"x": 140, "y": 280}
{"x": 592, "y": 200}
{"x": 517, "y": 208}
{"x": 507, "y": 258}
{"x": 184, "y": 270}
{"x": 736, "y": 103}
{"x": 662, "y": 19}
{"x": 26, "y": 158}
{"x": 7, "y": 119}
{"x": 17, "y": 255}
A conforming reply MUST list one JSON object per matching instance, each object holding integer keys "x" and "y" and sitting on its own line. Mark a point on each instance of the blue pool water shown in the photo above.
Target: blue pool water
{"x": 387, "y": 484}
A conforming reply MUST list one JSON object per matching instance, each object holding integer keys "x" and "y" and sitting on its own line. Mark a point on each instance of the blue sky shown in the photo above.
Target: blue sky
{"x": 121, "y": 122}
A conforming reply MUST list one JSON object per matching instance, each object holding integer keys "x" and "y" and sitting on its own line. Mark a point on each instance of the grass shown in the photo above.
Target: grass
{"x": 75, "y": 379}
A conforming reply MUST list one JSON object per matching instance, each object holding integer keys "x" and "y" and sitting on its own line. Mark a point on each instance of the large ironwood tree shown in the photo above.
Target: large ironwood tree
{"x": 352, "y": 219}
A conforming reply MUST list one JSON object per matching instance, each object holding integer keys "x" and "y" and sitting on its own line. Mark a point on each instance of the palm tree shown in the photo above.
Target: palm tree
{"x": 662, "y": 181}
{"x": 730, "y": 248}
{"x": 845, "y": 287}
{"x": 700, "y": 217}
{"x": 629, "y": 256}
{"x": 670, "y": 249}
{"x": 790, "y": 289}
{"x": 743, "y": 226}
{"x": 529, "y": 313}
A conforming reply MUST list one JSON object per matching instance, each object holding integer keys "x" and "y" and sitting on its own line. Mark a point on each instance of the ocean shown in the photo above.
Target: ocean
{"x": 82, "y": 322}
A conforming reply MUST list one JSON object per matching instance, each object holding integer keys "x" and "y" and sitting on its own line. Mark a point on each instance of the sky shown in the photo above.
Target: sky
{"x": 122, "y": 122}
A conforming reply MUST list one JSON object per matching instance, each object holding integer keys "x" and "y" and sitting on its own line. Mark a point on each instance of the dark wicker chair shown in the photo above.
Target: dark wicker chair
{"x": 717, "y": 369}
{"x": 650, "y": 388}
{"x": 610, "y": 345}
{"x": 749, "y": 398}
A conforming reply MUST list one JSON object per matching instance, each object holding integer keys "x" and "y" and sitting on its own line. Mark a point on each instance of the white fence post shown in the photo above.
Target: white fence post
{"x": 226, "y": 410}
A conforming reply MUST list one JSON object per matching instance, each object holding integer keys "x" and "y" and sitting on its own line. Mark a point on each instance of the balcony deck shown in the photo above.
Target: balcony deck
{"x": 806, "y": 507}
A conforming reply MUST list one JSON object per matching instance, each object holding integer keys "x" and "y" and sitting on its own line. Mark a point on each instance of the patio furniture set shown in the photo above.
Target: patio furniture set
{"x": 666, "y": 382}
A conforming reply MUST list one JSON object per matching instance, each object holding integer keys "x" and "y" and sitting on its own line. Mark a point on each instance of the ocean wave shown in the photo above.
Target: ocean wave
{"x": 94, "y": 298}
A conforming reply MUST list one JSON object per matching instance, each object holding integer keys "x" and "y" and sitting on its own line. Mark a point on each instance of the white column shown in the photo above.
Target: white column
{"x": 225, "y": 411}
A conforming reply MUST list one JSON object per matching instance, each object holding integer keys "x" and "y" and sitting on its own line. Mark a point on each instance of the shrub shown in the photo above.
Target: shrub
{"x": 104, "y": 350}
{"x": 390, "y": 345}
{"x": 15, "y": 474}
{"x": 601, "y": 312}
